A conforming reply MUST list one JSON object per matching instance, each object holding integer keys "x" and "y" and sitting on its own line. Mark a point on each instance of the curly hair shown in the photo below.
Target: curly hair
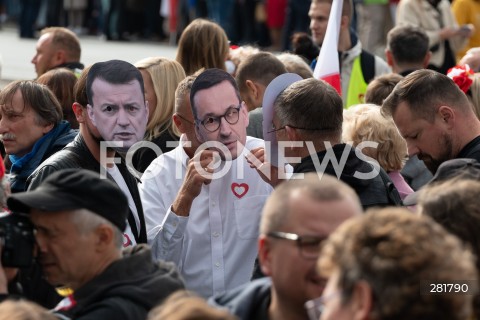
{"x": 454, "y": 204}
{"x": 397, "y": 254}
{"x": 365, "y": 122}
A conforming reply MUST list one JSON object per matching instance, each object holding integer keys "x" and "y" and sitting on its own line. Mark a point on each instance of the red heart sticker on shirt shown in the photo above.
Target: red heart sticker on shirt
{"x": 126, "y": 240}
{"x": 239, "y": 190}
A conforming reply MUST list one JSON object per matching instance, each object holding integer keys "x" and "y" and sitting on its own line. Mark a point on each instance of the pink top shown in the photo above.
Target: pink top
{"x": 402, "y": 186}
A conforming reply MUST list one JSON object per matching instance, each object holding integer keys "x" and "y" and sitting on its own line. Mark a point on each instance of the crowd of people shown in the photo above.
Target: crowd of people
{"x": 229, "y": 183}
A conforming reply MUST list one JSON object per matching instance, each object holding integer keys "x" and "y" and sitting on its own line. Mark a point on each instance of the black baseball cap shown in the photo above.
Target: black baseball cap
{"x": 72, "y": 189}
{"x": 461, "y": 167}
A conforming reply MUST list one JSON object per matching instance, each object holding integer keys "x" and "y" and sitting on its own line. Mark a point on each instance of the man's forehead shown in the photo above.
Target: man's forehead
{"x": 99, "y": 82}
{"x": 402, "y": 115}
{"x": 105, "y": 87}
{"x": 218, "y": 97}
{"x": 15, "y": 103}
{"x": 319, "y": 9}
{"x": 222, "y": 87}
{"x": 322, "y": 207}
{"x": 45, "y": 38}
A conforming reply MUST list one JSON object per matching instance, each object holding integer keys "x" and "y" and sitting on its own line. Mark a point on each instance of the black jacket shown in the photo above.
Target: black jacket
{"x": 248, "y": 302}
{"x": 144, "y": 156}
{"x": 125, "y": 290}
{"x": 377, "y": 191}
{"x": 77, "y": 155}
{"x": 471, "y": 150}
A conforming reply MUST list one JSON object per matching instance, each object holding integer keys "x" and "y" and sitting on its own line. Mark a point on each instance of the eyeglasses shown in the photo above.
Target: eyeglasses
{"x": 183, "y": 118}
{"x": 309, "y": 246}
{"x": 298, "y": 128}
{"x": 315, "y": 307}
{"x": 212, "y": 123}
{"x": 274, "y": 130}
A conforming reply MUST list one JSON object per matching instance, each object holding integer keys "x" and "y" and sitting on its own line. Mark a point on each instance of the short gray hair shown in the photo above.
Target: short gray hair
{"x": 326, "y": 188}
{"x": 86, "y": 221}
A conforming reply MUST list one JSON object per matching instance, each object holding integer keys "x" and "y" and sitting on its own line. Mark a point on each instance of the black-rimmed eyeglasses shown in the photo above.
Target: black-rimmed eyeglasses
{"x": 309, "y": 246}
{"x": 212, "y": 123}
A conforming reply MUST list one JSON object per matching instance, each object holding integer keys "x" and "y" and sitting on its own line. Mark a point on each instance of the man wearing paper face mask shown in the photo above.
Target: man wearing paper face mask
{"x": 110, "y": 95}
{"x": 202, "y": 211}
{"x": 116, "y": 107}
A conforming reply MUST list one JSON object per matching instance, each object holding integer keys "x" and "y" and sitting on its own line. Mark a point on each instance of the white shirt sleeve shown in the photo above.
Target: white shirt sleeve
{"x": 167, "y": 238}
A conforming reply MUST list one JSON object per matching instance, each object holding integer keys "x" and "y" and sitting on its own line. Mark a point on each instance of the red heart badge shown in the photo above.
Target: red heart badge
{"x": 239, "y": 189}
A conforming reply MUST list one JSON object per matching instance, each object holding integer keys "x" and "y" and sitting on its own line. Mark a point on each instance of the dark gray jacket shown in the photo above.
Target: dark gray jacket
{"x": 248, "y": 302}
{"x": 125, "y": 290}
{"x": 375, "y": 192}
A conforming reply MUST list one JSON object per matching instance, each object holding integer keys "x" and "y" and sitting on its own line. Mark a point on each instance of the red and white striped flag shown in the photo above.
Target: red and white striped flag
{"x": 328, "y": 66}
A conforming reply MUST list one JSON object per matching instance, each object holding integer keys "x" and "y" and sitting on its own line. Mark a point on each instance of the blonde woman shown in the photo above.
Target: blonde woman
{"x": 161, "y": 77}
{"x": 364, "y": 122}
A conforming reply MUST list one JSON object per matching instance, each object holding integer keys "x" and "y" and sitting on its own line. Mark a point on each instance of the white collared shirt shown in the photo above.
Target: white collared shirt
{"x": 128, "y": 237}
{"x": 216, "y": 246}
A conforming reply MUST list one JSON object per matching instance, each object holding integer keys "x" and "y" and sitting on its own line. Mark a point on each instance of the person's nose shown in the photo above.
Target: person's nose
{"x": 313, "y": 24}
{"x": 225, "y": 127}
{"x": 412, "y": 149}
{"x": 123, "y": 119}
{"x": 3, "y": 125}
{"x": 41, "y": 243}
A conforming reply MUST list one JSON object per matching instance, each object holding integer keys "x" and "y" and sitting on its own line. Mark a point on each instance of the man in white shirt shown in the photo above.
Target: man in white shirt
{"x": 203, "y": 212}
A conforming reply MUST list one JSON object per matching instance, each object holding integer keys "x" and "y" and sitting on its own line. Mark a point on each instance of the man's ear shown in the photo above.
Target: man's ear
{"x": 78, "y": 110}
{"x": 91, "y": 115}
{"x": 46, "y": 129}
{"x": 426, "y": 60}
{"x": 389, "y": 56}
{"x": 178, "y": 123}
{"x": 104, "y": 236}
{"x": 264, "y": 255}
{"x": 252, "y": 88}
{"x": 447, "y": 115}
{"x": 60, "y": 57}
{"x": 361, "y": 301}
{"x": 292, "y": 133}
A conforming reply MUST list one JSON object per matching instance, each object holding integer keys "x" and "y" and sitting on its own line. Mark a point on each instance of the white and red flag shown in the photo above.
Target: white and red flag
{"x": 328, "y": 66}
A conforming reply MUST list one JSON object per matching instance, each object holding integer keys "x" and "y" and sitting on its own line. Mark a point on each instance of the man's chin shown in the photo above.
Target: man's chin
{"x": 431, "y": 164}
